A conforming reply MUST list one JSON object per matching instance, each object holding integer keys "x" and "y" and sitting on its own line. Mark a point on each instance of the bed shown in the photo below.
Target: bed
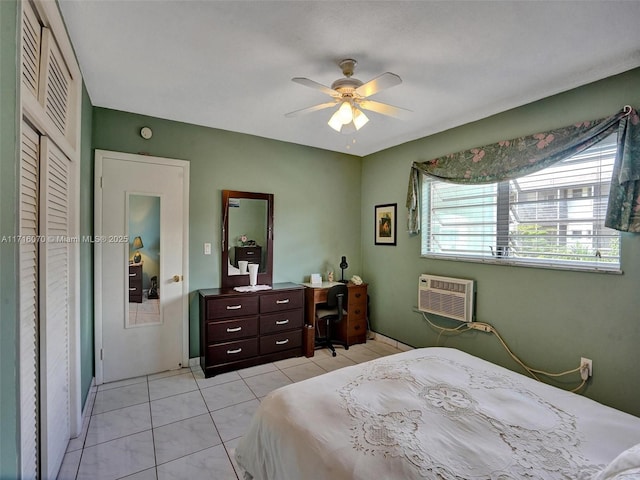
{"x": 435, "y": 413}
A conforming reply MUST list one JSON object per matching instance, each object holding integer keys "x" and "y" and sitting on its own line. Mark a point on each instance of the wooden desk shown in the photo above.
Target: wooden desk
{"x": 353, "y": 328}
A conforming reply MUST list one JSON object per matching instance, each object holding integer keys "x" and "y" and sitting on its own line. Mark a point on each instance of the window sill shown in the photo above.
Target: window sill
{"x": 531, "y": 263}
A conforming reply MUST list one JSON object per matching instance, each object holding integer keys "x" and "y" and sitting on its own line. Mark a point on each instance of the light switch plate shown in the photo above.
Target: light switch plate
{"x": 207, "y": 249}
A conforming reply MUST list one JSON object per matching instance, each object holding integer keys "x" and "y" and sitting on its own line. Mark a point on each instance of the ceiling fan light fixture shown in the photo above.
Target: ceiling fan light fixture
{"x": 345, "y": 113}
{"x": 335, "y": 121}
{"x": 359, "y": 118}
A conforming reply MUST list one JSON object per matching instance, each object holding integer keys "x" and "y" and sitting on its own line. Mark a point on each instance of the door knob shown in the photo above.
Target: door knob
{"x": 177, "y": 278}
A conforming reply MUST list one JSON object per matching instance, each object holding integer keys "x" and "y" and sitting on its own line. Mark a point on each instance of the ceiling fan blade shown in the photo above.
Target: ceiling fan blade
{"x": 384, "y": 109}
{"x": 318, "y": 86}
{"x": 314, "y": 108}
{"x": 381, "y": 82}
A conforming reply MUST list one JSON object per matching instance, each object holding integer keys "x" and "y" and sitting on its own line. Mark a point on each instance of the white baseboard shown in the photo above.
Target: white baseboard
{"x": 390, "y": 341}
{"x": 194, "y": 362}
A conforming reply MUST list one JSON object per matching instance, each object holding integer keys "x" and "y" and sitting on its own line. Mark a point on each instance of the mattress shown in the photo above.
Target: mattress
{"x": 435, "y": 413}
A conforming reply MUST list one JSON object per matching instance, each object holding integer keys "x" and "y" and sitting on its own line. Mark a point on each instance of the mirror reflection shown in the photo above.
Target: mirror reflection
{"x": 144, "y": 260}
{"x": 247, "y": 238}
{"x": 247, "y": 234}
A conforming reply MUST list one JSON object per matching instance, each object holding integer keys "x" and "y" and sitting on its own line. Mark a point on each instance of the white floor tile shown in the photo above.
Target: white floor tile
{"x": 333, "y": 363}
{"x": 173, "y": 385}
{"x": 291, "y": 362}
{"x": 70, "y": 464}
{"x": 149, "y": 474}
{"x": 118, "y": 423}
{"x": 179, "y": 407}
{"x": 184, "y": 438}
{"x": 122, "y": 383}
{"x": 120, "y": 397}
{"x": 232, "y": 422}
{"x": 210, "y": 463}
{"x": 302, "y": 372}
{"x": 216, "y": 380}
{"x": 168, "y": 373}
{"x": 117, "y": 458}
{"x": 263, "y": 384}
{"x": 227, "y": 394}
{"x": 257, "y": 370}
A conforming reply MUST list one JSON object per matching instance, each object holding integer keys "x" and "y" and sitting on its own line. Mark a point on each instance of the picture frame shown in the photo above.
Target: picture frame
{"x": 386, "y": 224}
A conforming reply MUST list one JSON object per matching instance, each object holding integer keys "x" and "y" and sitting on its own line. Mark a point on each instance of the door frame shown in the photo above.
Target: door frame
{"x": 100, "y": 156}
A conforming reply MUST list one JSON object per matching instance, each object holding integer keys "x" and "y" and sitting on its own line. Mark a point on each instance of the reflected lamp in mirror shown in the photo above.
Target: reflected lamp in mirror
{"x": 137, "y": 245}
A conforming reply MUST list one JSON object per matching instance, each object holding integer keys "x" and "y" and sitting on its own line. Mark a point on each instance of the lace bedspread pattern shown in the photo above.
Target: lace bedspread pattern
{"x": 498, "y": 442}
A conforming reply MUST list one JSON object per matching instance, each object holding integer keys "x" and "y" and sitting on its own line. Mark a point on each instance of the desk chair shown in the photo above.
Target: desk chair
{"x": 330, "y": 313}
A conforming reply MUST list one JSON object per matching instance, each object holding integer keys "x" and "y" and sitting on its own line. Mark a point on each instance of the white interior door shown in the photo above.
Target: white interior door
{"x": 146, "y": 198}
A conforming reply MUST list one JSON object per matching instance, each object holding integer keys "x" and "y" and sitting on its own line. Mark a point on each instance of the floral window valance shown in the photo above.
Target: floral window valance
{"x": 522, "y": 156}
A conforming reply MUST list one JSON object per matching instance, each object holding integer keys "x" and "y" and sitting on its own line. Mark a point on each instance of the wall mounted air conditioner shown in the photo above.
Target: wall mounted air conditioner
{"x": 447, "y": 297}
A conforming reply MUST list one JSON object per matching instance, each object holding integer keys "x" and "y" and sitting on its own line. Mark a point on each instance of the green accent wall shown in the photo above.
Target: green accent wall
{"x": 9, "y": 148}
{"x": 316, "y": 195}
{"x": 86, "y": 248}
{"x": 549, "y": 318}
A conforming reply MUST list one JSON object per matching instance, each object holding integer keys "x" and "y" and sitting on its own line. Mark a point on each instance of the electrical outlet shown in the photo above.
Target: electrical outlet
{"x": 586, "y": 365}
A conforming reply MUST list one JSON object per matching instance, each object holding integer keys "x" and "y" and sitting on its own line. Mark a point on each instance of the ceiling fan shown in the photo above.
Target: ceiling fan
{"x": 352, "y": 96}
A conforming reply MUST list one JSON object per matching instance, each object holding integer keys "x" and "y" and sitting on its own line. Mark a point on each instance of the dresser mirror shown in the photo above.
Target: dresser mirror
{"x": 247, "y": 237}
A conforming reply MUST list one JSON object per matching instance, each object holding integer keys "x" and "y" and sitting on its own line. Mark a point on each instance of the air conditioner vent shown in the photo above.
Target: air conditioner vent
{"x": 447, "y": 297}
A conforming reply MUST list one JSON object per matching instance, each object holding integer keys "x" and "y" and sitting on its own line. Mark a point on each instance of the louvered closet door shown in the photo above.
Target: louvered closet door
{"x": 55, "y": 83}
{"x": 28, "y": 248}
{"x": 54, "y": 308}
{"x": 31, "y": 43}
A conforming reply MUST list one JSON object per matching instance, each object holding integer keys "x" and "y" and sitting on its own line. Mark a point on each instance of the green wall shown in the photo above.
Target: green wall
{"x": 86, "y": 249}
{"x": 549, "y": 318}
{"x": 8, "y": 251}
{"x": 316, "y": 195}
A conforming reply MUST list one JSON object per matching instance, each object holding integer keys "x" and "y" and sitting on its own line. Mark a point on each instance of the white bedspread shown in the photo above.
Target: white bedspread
{"x": 435, "y": 413}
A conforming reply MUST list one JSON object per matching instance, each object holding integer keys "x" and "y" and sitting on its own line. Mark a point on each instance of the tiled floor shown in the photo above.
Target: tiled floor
{"x": 181, "y": 425}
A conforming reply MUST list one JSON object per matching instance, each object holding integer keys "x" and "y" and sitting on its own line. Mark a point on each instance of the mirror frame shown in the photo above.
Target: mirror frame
{"x": 264, "y": 278}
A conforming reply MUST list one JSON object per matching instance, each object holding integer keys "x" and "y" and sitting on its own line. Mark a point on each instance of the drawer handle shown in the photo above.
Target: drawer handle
{"x": 231, "y": 330}
{"x": 282, "y": 322}
{"x": 357, "y": 327}
{"x": 358, "y": 295}
{"x": 132, "y": 274}
{"x": 358, "y": 311}
{"x": 231, "y": 352}
{"x": 282, "y": 342}
{"x": 248, "y": 253}
{"x": 132, "y": 289}
{"x": 282, "y": 301}
{"x": 234, "y": 307}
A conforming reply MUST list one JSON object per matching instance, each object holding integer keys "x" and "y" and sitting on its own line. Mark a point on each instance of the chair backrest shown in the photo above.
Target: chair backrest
{"x": 336, "y": 293}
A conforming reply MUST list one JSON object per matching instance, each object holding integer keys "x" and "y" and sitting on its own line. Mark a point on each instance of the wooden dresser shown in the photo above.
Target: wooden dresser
{"x": 239, "y": 330}
{"x": 135, "y": 283}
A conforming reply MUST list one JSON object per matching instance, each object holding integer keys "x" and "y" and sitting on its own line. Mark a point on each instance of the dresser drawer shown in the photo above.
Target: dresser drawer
{"x": 281, "y": 341}
{"x": 226, "y": 307}
{"x": 357, "y": 312}
{"x": 357, "y": 327}
{"x": 232, "y": 329}
{"x": 278, "y": 322}
{"x": 357, "y": 295}
{"x": 232, "y": 351}
{"x": 277, "y": 301}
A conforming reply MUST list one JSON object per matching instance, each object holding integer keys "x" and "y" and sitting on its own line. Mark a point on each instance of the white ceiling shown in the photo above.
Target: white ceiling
{"x": 229, "y": 64}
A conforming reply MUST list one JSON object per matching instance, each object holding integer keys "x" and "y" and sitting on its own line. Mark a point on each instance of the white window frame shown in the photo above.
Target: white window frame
{"x": 495, "y": 201}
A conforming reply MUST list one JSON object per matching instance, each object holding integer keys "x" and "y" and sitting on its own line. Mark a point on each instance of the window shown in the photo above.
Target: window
{"x": 552, "y": 218}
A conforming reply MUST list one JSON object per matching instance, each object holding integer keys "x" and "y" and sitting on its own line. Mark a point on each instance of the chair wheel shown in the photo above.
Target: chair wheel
{"x": 346, "y": 347}
{"x": 333, "y": 354}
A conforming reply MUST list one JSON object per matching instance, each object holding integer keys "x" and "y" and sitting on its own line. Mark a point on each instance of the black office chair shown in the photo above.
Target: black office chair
{"x": 331, "y": 313}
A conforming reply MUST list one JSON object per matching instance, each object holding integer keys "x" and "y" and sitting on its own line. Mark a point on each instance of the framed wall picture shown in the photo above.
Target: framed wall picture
{"x": 386, "y": 224}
